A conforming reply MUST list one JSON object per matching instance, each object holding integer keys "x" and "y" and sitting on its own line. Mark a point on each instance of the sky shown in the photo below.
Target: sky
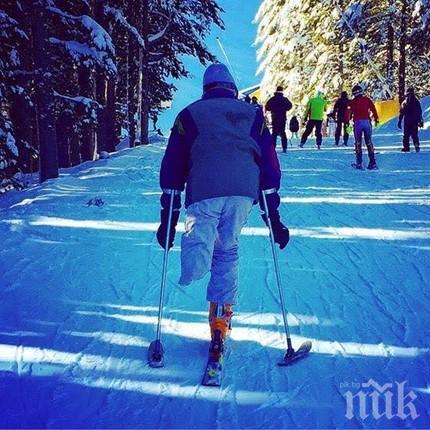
{"x": 238, "y": 39}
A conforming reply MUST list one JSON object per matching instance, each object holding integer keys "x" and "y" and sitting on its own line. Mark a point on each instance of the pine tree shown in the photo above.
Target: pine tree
{"x": 44, "y": 95}
{"x": 335, "y": 44}
{"x": 76, "y": 73}
{"x": 418, "y": 71}
{"x": 308, "y": 54}
{"x": 15, "y": 141}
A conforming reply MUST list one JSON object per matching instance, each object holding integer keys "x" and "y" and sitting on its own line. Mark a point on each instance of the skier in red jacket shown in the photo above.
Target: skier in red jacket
{"x": 361, "y": 109}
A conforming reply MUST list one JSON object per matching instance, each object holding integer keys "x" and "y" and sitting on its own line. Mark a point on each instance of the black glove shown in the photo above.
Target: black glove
{"x": 164, "y": 215}
{"x": 421, "y": 124}
{"x": 281, "y": 234}
{"x": 399, "y": 125}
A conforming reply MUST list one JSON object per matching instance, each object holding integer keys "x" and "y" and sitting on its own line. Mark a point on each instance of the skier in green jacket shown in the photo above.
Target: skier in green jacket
{"x": 314, "y": 115}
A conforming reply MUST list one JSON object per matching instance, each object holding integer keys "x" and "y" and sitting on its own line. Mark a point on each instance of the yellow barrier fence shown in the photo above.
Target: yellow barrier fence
{"x": 387, "y": 109}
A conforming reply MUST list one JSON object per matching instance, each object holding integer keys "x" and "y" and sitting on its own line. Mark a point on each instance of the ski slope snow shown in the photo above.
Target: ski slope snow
{"x": 80, "y": 277}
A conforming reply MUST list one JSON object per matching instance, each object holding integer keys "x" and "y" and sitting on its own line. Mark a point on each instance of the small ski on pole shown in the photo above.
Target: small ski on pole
{"x": 292, "y": 356}
{"x": 155, "y": 350}
{"x": 156, "y": 354}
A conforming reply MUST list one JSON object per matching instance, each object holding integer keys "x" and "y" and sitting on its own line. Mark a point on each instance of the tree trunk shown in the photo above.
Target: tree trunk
{"x": 402, "y": 49}
{"x": 144, "y": 118}
{"x": 75, "y": 153}
{"x": 62, "y": 142}
{"x": 139, "y": 100}
{"x": 341, "y": 59}
{"x": 101, "y": 87}
{"x": 110, "y": 117}
{"x": 390, "y": 56}
{"x": 131, "y": 95}
{"x": 145, "y": 104}
{"x": 35, "y": 161}
{"x": 44, "y": 96}
{"x": 88, "y": 147}
{"x": 119, "y": 87}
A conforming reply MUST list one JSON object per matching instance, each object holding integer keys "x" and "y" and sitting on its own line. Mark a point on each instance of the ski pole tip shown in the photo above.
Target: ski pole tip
{"x": 156, "y": 354}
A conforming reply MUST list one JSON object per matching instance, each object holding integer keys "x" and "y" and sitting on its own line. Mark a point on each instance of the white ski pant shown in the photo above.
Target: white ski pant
{"x": 210, "y": 243}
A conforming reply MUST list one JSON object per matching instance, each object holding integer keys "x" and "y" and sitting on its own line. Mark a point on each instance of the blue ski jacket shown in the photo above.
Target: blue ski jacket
{"x": 220, "y": 146}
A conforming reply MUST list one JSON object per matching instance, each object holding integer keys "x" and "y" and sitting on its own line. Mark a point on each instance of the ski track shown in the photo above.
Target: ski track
{"x": 80, "y": 290}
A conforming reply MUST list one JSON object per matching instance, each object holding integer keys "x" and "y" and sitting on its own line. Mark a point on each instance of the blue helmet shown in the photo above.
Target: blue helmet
{"x": 218, "y": 76}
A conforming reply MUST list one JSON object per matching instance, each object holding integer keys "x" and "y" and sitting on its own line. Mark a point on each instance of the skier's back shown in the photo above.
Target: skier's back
{"x": 294, "y": 127}
{"x": 315, "y": 115}
{"x": 222, "y": 151}
{"x": 362, "y": 111}
{"x": 412, "y": 114}
{"x": 278, "y": 105}
{"x": 342, "y": 115}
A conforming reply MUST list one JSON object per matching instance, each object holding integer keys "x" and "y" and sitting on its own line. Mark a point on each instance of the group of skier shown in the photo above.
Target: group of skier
{"x": 360, "y": 110}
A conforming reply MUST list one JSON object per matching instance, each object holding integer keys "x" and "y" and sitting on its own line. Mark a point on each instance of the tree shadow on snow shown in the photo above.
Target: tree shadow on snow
{"x": 98, "y": 377}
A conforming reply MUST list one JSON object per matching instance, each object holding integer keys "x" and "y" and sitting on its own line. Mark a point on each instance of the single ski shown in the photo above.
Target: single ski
{"x": 302, "y": 352}
{"x": 213, "y": 372}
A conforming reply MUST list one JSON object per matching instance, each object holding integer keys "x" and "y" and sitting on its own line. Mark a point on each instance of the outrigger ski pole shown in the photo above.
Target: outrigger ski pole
{"x": 291, "y": 356}
{"x": 155, "y": 351}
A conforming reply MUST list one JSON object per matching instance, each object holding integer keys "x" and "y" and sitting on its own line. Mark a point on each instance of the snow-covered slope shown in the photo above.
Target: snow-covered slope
{"x": 80, "y": 276}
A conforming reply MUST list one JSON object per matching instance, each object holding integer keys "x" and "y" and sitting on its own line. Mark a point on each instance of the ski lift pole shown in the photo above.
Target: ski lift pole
{"x": 227, "y": 59}
{"x": 365, "y": 53}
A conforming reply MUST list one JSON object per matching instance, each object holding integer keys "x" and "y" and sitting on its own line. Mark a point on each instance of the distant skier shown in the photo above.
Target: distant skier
{"x": 278, "y": 105}
{"x": 254, "y": 102}
{"x": 342, "y": 114}
{"x": 222, "y": 150}
{"x": 362, "y": 108}
{"x": 294, "y": 128}
{"x": 314, "y": 116}
{"x": 247, "y": 99}
{"x": 331, "y": 124}
{"x": 412, "y": 114}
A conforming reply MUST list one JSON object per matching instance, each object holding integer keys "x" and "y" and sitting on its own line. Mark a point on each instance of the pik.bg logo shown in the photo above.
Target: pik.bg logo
{"x": 370, "y": 399}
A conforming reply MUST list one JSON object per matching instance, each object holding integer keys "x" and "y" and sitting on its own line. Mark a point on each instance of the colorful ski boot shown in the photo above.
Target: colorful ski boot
{"x": 220, "y": 326}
